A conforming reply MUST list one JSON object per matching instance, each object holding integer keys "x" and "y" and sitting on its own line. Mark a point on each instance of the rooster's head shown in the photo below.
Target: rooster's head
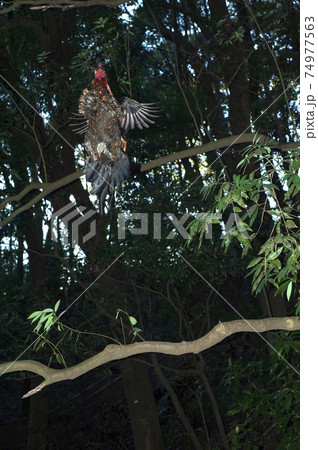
{"x": 100, "y": 77}
{"x": 100, "y": 73}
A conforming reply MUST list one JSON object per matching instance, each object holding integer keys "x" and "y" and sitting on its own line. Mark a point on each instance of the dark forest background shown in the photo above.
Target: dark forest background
{"x": 217, "y": 69}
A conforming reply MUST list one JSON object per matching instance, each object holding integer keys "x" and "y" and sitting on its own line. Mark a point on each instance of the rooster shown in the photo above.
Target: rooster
{"x": 107, "y": 122}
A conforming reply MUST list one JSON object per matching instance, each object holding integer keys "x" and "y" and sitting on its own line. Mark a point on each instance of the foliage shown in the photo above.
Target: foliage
{"x": 250, "y": 197}
{"x": 264, "y": 414}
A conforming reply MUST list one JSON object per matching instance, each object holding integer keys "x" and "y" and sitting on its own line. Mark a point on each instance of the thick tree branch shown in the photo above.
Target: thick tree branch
{"x": 216, "y": 145}
{"x": 63, "y": 4}
{"x": 116, "y": 352}
{"x": 47, "y": 189}
{"x": 188, "y": 153}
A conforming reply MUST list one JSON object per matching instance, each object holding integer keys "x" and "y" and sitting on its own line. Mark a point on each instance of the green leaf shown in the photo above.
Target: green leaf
{"x": 43, "y": 318}
{"x": 267, "y": 247}
{"x": 274, "y": 255}
{"x": 254, "y": 215}
{"x": 289, "y": 290}
{"x": 57, "y": 304}
{"x": 254, "y": 262}
{"x": 242, "y": 227}
{"x": 48, "y": 324}
{"x": 133, "y": 321}
{"x": 260, "y": 286}
{"x": 282, "y": 288}
{"x": 296, "y": 165}
{"x": 236, "y": 179}
{"x": 286, "y": 176}
{"x": 255, "y": 196}
{"x": 257, "y": 269}
{"x": 296, "y": 181}
{"x": 241, "y": 162}
{"x": 226, "y": 186}
{"x": 297, "y": 309}
{"x": 252, "y": 210}
{"x": 34, "y": 320}
{"x": 278, "y": 239}
{"x": 290, "y": 224}
{"x": 271, "y": 186}
{"x": 35, "y": 315}
{"x": 47, "y": 310}
{"x": 37, "y": 328}
{"x": 54, "y": 319}
{"x": 290, "y": 192}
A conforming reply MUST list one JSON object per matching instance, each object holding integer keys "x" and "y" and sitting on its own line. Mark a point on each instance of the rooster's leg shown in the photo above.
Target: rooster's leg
{"x": 124, "y": 143}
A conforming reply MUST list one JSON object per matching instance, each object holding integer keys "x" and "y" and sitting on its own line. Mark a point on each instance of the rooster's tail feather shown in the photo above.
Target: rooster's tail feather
{"x": 106, "y": 176}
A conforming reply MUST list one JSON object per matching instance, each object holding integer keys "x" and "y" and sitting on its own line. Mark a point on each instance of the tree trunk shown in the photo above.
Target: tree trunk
{"x": 38, "y": 406}
{"x": 141, "y": 405}
{"x": 38, "y": 418}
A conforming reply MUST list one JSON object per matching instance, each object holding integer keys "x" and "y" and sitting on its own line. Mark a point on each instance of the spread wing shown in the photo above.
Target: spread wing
{"x": 136, "y": 114}
{"x": 107, "y": 165}
{"x": 104, "y": 121}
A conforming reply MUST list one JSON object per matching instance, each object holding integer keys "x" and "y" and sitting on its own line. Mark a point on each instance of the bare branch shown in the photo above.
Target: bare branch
{"x": 116, "y": 352}
{"x": 47, "y": 189}
{"x": 216, "y": 145}
{"x": 188, "y": 153}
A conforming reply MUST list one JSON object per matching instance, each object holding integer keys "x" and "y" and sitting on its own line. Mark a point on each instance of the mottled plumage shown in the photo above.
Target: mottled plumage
{"x": 106, "y": 121}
